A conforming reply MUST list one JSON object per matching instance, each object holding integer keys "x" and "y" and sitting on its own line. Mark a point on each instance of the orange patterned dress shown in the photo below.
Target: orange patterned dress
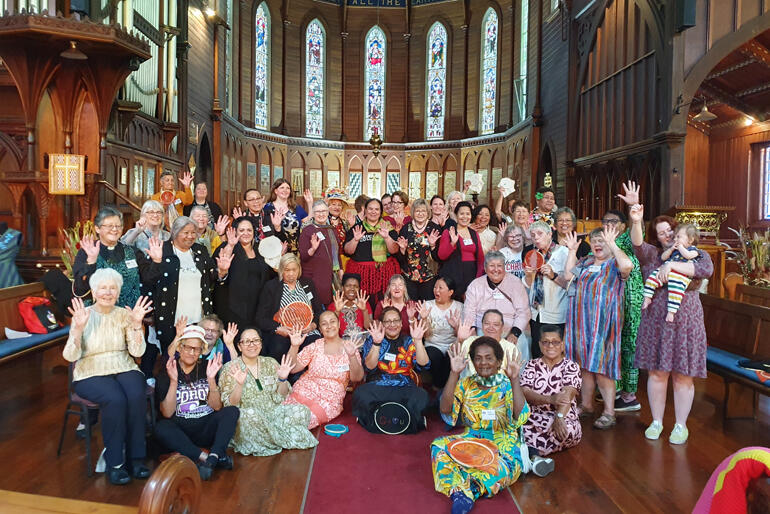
{"x": 322, "y": 387}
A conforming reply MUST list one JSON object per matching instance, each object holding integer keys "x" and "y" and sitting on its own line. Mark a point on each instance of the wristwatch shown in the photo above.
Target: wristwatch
{"x": 560, "y": 415}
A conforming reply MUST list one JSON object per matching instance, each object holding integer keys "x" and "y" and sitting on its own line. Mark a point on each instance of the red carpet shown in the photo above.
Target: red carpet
{"x": 363, "y": 472}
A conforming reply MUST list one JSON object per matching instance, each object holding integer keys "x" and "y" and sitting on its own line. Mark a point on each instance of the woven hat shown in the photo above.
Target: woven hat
{"x": 270, "y": 249}
{"x": 195, "y": 332}
{"x": 336, "y": 193}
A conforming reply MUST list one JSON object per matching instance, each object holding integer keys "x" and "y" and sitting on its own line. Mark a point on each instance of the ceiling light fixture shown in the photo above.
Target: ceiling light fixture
{"x": 704, "y": 115}
{"x": 73, "y": 53}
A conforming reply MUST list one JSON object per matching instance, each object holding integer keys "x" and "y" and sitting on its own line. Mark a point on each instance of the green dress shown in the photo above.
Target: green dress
{"x": 632, "y": 309}
{"x": 473, "y": 404}
{"x": 265, "y": 427}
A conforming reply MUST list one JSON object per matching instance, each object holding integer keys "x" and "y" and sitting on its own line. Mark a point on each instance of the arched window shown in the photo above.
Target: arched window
{"x": 374, "y": 80}
{"x": 262, "y": 67}
{"x": 436, "y": 82}
{"x": 315, "y": 47}
{"x": 521, "y": 84}
{"x": 488, "y": 71}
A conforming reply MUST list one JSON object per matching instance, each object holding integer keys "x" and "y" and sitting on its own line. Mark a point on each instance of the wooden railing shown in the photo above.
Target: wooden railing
{"x": 118, "y": 193}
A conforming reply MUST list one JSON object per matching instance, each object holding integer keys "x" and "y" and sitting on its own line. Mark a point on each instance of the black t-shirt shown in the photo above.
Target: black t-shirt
{"x": 363, "y": 251}
{"x": 191, "y": 393}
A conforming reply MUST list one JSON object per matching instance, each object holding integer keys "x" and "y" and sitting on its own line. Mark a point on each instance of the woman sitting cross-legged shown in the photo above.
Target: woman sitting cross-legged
{"x": 550, "y": 385}
{"x": 331, "y": 364}
{"x": 491, "y": 406}
{"x": 258, "y": 386}
{"x": 103, "y": 342}
{"x": 191, "y": 406}
{"x": 391, "y": 360}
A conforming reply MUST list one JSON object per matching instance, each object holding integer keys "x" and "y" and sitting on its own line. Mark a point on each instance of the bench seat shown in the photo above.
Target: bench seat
{"x": 728, "y": 361}
{"x": 15, "y": 347}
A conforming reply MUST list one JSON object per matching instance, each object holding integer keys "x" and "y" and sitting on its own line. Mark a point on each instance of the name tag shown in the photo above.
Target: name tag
{"x": 594, "y": 269}
{"x": 468, "y": 241}
{"x": 131, "y": 264}
{"x": 321, "y": 236}
{"x": 342, "y": 368}
{"x": 497, "y": 295}
{"x": 268, "y": 380}
{"x": 177, "y": 201}
{"x": 488, "y": 415}
{"x": 390, "y": 357}
{"x": 310, "y": 296}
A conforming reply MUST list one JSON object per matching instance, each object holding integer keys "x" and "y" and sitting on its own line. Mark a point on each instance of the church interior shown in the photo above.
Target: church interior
{"x": 100, "y": 98}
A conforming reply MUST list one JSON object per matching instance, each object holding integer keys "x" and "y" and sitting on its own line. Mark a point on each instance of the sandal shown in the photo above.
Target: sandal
{"x": 584, "y": 413}
{"x": 604, "y": 422}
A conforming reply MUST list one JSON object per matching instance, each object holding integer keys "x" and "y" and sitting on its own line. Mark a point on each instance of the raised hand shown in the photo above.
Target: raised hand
{"x": 433, "y": 237}
{"x": 180, "y": 325}
{"x": 358, "y": 232}
{"x": 228, "y": 337}
{"x": 457, "y": 358}
{"x": 383, "y": 232}
{"x": 572, "y": 242}
{"x": 453, "y": 236}
{"x": 284, "y": 247}
{"x": 287, "y": 363}
{"x": 453, "y": 318}
{"x": 172, "y": 370}
{"x": 141, "y": 223}
{"x": 339, "y": 301}
{"x": 351, "y": 346}
{"x": 238, "y": 374}
{"x": 237, "y": 213}
{"x": 502, "y": 227}
{"x": 141, "y": 308}
{"x": 547, "y": 270}
{"x": 79, "y": 314}
{"x": 631, "y": 193}
{"x": 610, "y": 233}
{"x": 636, "y": 214}
{"x": 224, "y": 260}
{"x": 232, "y": 237}
{"x": 276, "y": 218}
{"x": 186, "y": 179}
{"x": 377, "y": 331}
{"x": 90, "y": 245}
{"x": 221, "y": 225}
{"x": 417, "y": 329}
{"x": 155, "y": 249}
{"x": 315, "y": 242}
{"x": 213, "y": 367}
{"x": 307, "y": 194}
{"x": 361, "y": 300}
{"x": 513, "y": 366}
{"x": 296, "y": 337}
{"x": 424, "y": 309}
{"x": 399, "y": 218}
{"x": 402, "y": 244}
{"x": 465, "y": 330}
{"x": 411, "y": 309}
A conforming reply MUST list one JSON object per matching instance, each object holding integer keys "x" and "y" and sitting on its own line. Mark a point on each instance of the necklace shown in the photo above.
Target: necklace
{"x": 253, "y": 374}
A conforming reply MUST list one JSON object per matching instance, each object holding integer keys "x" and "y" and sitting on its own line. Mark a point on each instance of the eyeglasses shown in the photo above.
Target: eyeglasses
{"x": 391, "y": 321}
{"x": 492, "y": 323}
{"x": 253, "y": 199}
{"x": 111, "y": 227}
{"x": 251, "y": 342}
{"x": 546, "y": 342}
{"x": 317, "y": 211}
{"x": 191, "y": 349}
{"x": 397, "y": 201}
{"x": 610, "y": 221}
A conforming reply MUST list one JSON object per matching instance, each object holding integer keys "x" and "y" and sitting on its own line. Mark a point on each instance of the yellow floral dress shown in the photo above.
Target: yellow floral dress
{"x": 474, "y": 406}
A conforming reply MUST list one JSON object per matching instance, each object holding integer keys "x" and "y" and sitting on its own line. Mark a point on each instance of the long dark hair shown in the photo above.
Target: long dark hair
{"x": 278, "y": 183}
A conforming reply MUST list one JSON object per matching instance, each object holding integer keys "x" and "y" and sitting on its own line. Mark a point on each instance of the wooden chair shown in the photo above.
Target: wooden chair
{"x": 730, "y": 282}
{"x": 82, "y": 408}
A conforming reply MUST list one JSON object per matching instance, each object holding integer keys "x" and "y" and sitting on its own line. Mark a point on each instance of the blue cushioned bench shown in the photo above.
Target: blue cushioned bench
{"x": 10, "y": 317}
{"x": 736, "y": 331}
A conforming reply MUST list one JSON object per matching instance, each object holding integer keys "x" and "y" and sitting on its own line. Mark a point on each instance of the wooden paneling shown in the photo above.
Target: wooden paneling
{"x": 696, "y": 171}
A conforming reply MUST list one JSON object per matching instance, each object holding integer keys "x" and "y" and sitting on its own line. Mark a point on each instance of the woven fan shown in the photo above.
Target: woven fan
{"x": 475, "y": 453}
{"x": 295, "y": 314}
{"x": 534, "y": 259}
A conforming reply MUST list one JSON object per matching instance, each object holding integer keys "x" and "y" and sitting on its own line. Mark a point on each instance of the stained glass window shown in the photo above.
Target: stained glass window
{"x": 262, "y": 66}
{"x": 374, "y": 79}
{"x": 436, "y": 78}
{"x": 521, "y": 93}
{"x": 489, "y": 71}
{"x": 315, "y": 40}
{"x": 765, "y": 159}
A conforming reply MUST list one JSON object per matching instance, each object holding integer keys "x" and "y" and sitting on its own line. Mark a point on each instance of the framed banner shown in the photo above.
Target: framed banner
{"x": 393, "y": 182}
{"x": 316, "y": 183}
{"x": 66, "y": 174}
{"x": 298, "y": 181}
{"x": 332, "y": 179}
{"x": 251, "y": 175}
{"x": 264, "y": 179}
{"x": 431, "y": 184}
{"x": 373, "y": 184}
{"x": 415, "y": 184}
{"x": 355, "y": 188}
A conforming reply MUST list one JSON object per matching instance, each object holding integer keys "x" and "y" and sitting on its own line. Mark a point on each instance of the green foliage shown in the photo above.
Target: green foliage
{"x": 71, "y": 242}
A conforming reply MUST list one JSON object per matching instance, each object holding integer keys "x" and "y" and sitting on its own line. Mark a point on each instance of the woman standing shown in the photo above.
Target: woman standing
{"x": 398, "y": 217}
{"x": 441, "y": 313}
{"x": 336, "y": 199}
{"x": 675, "y": 349}
{"x": 319, "y": 252}
{"x": 149, "y": 225}
{"x": 331, "y": 364}
{"x": 289, "y": 216}
{"x": 566, "y": 223}
{"x": 103, "y": 342}
{"x": 521, "y": 218}
{"x": 491, "y": 406}
{"x": 439, "y": 211}
{"x": 595, "y": 317}
{"x": 237, "y": 296}
{"x": 370, "y": 244}
{"x": 460, "y": 249}
{"x": 480, "y": 223}
{"x": 258, "y": 386}
{"x": 210, "y": 238}
{"x": 546, "y": 203}
{"x": 419, "y": 250}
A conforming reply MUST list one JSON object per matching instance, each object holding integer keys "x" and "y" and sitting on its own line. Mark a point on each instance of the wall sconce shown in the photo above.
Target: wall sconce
{"x": 73, "y": 53}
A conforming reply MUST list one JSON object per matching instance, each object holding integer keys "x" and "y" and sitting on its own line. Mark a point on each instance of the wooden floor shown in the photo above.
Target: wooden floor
{"x": 613, "y": 471}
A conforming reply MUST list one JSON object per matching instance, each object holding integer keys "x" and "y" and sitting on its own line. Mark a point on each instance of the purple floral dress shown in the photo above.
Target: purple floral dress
{"x": 679, "y": 346}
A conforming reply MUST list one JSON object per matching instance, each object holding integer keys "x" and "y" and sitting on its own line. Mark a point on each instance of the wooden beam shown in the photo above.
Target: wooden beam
{"x": 732, "y": 101}
{"x": 757, "y": 51}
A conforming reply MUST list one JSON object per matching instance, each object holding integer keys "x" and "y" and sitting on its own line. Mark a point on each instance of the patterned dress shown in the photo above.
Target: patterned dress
{"x": 595, "y": 317}
{"x": 471, "y": 406}
{"x": 265, "y": 426}
{"x": 537, "y": 432}
{"x": 632, "y": 314}
{"x": 322, "y": 387}
{"x": 290, "y": 226}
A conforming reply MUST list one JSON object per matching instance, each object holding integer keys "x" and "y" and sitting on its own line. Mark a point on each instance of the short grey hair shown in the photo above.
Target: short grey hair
{"x": 541, "y": 226}
{"x": 493, "y": 255}
{"x": 453, "y": 193}
{"x": 107, "y": 212}
{"x": 567, "y": 210}
{"x": 320, "y": 202}
{"x": 511, "y": 229}
{"x": 179, "y": 224}
{"x": 421, "y": 202}
{"x": 103, "y": 275}
{"x": 198, "y": 208}
{"x": 151, "y": 205}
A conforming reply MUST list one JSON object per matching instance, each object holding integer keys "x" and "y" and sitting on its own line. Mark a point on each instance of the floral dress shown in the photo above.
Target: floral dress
{"x": 290, "y": 226}
{"x": 474, "y": 405}
{"x": 537, "y": 431}
{"x": 322, "y": 387}
{"x": 417, "y": 264}
{"x": 265, "y": 426}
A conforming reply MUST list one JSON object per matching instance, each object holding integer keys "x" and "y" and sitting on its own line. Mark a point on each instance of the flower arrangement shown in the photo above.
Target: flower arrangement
{"x": 71, "y": 242}
{"x": 754, "y": 256}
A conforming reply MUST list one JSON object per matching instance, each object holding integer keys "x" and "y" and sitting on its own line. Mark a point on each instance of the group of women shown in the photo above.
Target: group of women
{"x": 383, "y": 290}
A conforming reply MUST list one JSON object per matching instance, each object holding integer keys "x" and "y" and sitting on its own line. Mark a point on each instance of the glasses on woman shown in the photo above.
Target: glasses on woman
{"x": 394, "y": 321}
{"x": 251, "y": 342}
{"x": 610, "y": 221}
{"x": 191, "y": 349}
{"x": 546, "y": 342}
{"x": 111, "y": 227}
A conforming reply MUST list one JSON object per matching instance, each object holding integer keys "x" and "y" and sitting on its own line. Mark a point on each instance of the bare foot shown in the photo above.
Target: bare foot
{"x": 647, "y": 302}
{"x": 670, "y": 317}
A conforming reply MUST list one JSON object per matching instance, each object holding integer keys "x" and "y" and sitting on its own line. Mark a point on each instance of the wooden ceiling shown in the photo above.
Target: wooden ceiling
{"x": 737, "y": 90}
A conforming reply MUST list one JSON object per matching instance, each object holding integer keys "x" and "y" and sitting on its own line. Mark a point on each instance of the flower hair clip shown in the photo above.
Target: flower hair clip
{"x": 539, "y": 196}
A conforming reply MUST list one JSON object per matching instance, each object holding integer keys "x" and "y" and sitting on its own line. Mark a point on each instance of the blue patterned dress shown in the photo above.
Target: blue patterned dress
{"x": 10, "y": 244}
{"x": 595, "y": 317}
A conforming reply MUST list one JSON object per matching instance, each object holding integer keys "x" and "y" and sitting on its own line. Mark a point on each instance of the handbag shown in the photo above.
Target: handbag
{"x": 37, "y": 315}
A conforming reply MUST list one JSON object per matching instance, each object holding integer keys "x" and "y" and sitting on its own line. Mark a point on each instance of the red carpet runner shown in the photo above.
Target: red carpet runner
{"x": 380, "y": 474}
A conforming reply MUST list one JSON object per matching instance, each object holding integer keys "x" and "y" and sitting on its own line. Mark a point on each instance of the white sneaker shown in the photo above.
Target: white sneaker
{"x": 101, "y": 464}
{"x": 654, "y": 430}
{"x": 542, "y": 466}
{"x": 679, "y": 434}
{"x": 151, "y": 382}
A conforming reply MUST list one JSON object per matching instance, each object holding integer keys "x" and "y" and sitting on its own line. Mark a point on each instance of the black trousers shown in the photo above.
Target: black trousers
{"x": 122, "y": 400}
{"x": 147, "y": 365}
{"x": 187, "y": 436}
{"x": 440, "y": 366}
{"x": 420, "y": 290}
{"x": 534, "y": 327}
